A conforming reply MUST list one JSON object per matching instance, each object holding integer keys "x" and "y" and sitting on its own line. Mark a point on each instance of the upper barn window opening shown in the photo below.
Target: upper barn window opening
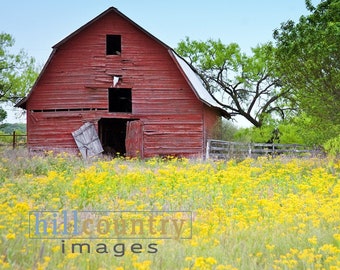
{"x": 120, "y": 100}
{"x": 113, "y": 45}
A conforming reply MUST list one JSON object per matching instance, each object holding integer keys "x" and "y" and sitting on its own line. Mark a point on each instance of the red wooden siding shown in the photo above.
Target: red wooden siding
{"x": 210, "y": 125}
{"x": 48, "y": 132}
{"x": 75, "y": 84}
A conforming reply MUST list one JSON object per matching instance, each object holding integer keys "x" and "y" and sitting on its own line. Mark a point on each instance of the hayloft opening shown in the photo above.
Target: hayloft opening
{"x": 113, "y": 45}
{"x": 120, "y": 100}
{"x": 112, "y": 134}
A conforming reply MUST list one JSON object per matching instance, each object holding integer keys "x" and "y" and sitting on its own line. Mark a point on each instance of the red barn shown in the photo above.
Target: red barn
{"x": 138, "y": 94}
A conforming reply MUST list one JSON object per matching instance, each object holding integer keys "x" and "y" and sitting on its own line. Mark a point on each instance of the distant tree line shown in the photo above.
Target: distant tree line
{"x": 8, "y": 128}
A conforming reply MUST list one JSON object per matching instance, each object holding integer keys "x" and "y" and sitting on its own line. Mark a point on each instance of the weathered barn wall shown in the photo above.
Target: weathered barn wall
{"x": 211, "y": 125}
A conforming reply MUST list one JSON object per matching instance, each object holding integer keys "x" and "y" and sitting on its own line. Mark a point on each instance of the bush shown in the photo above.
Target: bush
{"x": 5, "y": 138}
{"x": 283, "y": 132}
{"x": 332, "y": 146}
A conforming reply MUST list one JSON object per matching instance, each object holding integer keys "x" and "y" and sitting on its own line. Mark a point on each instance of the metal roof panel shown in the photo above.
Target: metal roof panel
{"x": 197, "y": 84}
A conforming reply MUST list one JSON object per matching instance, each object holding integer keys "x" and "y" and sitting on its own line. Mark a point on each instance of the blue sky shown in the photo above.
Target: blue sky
{"x": 37, "y": 25}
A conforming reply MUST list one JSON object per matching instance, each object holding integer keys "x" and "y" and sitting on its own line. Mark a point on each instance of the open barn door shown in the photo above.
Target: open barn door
{"x": 134, "y": 138}
{"x": 87, "y": 140}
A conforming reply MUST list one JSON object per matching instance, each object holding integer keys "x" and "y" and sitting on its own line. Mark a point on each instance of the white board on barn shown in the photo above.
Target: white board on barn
{"x": 87, "y": 140}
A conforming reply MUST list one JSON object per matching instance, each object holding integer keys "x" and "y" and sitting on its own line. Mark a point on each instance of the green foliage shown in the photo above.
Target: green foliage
{"x": 243, "y": 85}
{"x": 308, "y": 54}
{"x": 3, "y": 114}
{"x": 5, "y": 138}
{"x": 8, "y": 128}
{"x": 253, "y": 134}
{"x": 17, "y": 71}
{"x": 315, "y": 131}
{"x": 332, "y": 146}
{"x": 290, "y": 133}
{"x": 6, "y": 132}
{"x": 282, "y": 132}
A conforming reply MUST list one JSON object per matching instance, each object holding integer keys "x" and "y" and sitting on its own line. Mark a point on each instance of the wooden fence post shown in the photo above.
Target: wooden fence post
{"x": 207, "y": 150}
{"x": 14, "y": 139}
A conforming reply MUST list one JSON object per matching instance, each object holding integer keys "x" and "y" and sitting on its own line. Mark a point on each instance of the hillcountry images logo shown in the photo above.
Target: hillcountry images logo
{"x": 110, "y": 224}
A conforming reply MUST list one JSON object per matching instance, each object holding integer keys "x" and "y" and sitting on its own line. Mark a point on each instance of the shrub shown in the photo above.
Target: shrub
{"x": 332, "y": 146}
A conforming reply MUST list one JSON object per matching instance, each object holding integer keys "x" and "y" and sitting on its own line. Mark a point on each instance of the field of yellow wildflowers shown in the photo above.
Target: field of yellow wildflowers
{"x": 254, "y": 214}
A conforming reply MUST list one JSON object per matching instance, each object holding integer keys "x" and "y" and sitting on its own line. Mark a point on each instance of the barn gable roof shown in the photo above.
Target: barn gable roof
{"x": 109, "y": 10}
{"x": 190, "y": 75}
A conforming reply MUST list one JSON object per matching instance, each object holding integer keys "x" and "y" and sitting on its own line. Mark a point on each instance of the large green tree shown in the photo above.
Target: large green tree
{"x": 308, "y": 54}
{"x": 17, "y": 73}
{"x": 244, "y": 85}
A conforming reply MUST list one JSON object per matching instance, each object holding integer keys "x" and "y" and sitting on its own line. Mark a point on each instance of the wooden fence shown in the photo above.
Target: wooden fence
{"x": 217, "y": 149}
{"x": 14, "y": 140}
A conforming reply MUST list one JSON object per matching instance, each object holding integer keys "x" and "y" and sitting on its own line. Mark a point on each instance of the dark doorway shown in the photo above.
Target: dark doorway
{"x": 112, "y": 133}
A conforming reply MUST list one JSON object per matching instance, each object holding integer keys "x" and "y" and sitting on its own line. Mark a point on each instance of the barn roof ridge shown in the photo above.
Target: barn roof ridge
{"x": 110, "y": 9}
{"x": 187, "y": 70}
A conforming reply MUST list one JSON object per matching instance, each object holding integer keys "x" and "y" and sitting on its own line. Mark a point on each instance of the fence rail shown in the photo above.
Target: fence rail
{"x": 217, "y": 149}
{"x": 13, "y": 139}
